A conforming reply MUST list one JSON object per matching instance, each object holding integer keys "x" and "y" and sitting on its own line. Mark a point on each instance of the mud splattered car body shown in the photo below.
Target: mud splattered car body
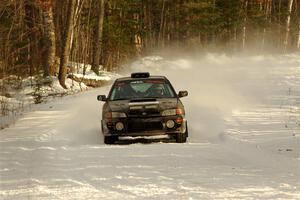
{"x": 143, "y": 105}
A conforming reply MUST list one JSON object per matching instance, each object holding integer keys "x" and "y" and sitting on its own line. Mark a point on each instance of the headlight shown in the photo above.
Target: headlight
{"x": 169, "y": 112}
{"x": 110, "y": 115}
{"x": 118, "y": 115}
{"x": 172, "y": 112}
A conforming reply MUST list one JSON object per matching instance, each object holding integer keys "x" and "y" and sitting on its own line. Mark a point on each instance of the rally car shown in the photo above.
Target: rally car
{"x": 143, "y": 105}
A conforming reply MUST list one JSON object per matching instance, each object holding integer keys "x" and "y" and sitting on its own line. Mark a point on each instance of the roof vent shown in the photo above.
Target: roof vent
{"x": 140, "y": 75}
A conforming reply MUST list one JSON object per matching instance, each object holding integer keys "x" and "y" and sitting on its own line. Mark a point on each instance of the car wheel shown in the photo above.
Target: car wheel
{"x": 109, "y": 139}
{"x": 181, "y": 137}
{"x": 186, "y": 130}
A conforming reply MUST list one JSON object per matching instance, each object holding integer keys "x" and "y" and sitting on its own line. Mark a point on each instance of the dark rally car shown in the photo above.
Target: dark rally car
{"x": 143, "y": 105}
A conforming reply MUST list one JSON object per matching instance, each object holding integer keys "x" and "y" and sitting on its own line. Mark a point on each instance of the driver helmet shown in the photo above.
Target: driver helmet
{"x": 158, "y": 89}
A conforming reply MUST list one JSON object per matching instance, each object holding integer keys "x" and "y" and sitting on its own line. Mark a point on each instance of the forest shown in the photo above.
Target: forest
{"x": 64, "y": 133}
{"x": 40, "y": 37}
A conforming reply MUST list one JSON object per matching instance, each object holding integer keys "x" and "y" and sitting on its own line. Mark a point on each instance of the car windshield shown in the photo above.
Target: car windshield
{"x": 136, "y": 89}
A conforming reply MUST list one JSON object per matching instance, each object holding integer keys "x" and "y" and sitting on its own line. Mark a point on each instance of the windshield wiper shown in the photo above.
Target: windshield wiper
{"x": 142, "y": 99}
{"x": 120, "y": 99}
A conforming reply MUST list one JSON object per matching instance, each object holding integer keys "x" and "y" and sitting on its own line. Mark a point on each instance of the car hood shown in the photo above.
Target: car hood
{"x": 159, "y": 104}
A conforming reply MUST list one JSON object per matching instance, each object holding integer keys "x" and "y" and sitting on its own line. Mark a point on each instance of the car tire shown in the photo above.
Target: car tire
{"x": 181, "y": 137}
{"x": 186, "y": 130}
{"x": 109, "y": 139}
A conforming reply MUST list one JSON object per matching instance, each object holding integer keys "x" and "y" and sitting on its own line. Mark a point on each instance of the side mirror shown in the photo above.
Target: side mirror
{"x": 101, "y": 98}
{"x": 182, "y": 94}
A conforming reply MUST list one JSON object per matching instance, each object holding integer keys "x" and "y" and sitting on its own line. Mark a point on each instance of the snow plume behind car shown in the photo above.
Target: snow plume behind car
{"x": 219, "y": 85}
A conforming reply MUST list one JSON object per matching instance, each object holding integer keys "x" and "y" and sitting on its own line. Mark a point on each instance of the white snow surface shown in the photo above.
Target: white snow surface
{"x": 244, "y": 128}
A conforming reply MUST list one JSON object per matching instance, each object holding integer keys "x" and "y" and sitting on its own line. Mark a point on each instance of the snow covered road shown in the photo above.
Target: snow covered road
{"x": 244, "y": 139}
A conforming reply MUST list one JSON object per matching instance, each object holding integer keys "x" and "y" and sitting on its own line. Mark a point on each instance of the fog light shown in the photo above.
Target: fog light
{"x": 119, "y": 126}
{"x": 170, "y": 124}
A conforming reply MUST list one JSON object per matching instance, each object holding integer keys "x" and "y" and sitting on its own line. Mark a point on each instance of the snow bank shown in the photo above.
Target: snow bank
{"x": 33, "y": 90}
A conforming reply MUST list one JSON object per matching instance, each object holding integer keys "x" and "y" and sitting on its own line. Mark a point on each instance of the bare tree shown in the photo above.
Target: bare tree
{"x": 244, "y": 24}
{"x": 298, "y": 43}
{"x": 162, "y": 23}
{"x": 97, "y": 46}
{"x": 267, "y": 13}
{"x": 48, "y": 38}
{"x": 288, "y": 22}
{"x": 65, "y": 48}
{"x": 30, "y": 19}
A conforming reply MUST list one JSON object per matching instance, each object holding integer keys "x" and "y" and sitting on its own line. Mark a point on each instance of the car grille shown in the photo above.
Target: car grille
{"x": 144, "y": 126}
{"x": 148, "y": 112}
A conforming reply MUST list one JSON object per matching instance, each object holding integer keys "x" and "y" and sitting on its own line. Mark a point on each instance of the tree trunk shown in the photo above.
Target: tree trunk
{"x": 287, "y": 28}
{"x": 137, "y": 36}
{"x": 48, "y": 38}
{"x": 149, "y": 27}
{"x": 76, "y": 17}
{"x": 97, "y": 46}
{"x": 298, "y": 42}
{"x": 33, "y": 53}
{"x": 162, "y": 24}
{"x": 146, "y": 39}
{"x": 244, "y": 25}
{"x": 65, "y": 49}
{"x": 268, "y": 11}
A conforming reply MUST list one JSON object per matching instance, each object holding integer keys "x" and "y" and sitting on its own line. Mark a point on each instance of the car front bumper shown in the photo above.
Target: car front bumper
{"x": 150, "y": 126}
